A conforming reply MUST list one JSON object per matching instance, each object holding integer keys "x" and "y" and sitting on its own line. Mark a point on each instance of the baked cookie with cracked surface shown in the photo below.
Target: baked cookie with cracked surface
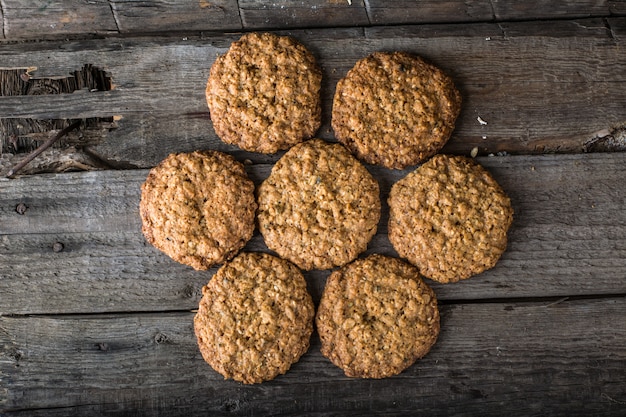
{"x": 450, "y": 218}
{"x": 377, "y": 317}
{"x": 319, "y": 207}
{"x": 394, "y": 109}
{"x": 255, "y": 318}
{"x": 264, "y": 93}
{"x": 198, "y": 208}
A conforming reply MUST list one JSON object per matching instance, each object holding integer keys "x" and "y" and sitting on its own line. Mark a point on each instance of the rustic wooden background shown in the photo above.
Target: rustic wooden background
{"x": 101, "y": 322}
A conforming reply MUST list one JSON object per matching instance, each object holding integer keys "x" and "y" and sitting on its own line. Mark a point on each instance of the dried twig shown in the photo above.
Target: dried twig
{"x": 42, "y": 148}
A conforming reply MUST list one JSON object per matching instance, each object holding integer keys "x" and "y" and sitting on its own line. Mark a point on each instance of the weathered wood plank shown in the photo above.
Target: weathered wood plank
{"x": 544, "y": 358}
{"x": 39, "y": 20}
{"x": 140, "y": 16}
{"x": 385, "y": 12}
{"x": 617, "y": 25}
{"x": 257, "y": 14}
{"x": 540, "y": 9}
{"x": 568, "y": 238}
{"x": 541, "y": 87}
{"x": 79, "y": 17}
{"x": 617, "y": 7}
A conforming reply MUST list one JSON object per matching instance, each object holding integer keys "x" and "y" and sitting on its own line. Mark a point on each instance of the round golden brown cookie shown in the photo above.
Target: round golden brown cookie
{"x": 255, "y": 318}
{"x": 319, "y": 207}
{"x": 449, "y": 218}
{"x": 377, "y": 317}
{"x": 394, "y": 109}
{"x": 198, "y": 208}
{"x": 264, "y": 93}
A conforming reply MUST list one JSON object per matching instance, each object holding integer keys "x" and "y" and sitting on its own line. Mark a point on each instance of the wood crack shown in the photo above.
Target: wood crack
{"x": 610, "y": 30}
{"x": 4, "y": 18}
{"x": 115, "y": 18}
{"x": 21, "y": 135}
{"x": 241, "y": 22}
{"x": 493, "y": 10}
{"x": 367, "y": 5}
{"x": 612, "y": 139}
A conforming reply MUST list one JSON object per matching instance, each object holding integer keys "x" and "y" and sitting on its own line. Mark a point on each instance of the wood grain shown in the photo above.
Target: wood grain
{"x": 76, "y": 18}
{"x": 54, "y": 19}
{"x": 134, "y": 16}
{"x": 94, "y": 321}
{"x": 259, "y": 14}
{"x": 385, "y": 12}
{"x": 527, "y": 80}
{"x": 570, "y": 353}
{"x": 568, "y": 239}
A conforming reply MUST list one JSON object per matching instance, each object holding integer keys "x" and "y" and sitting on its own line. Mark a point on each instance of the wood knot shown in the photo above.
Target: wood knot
{"x": 188, "y": 291}
{"x": 21, "y": 208}
{"x": 58, "y": 247}
{"x": 160, "y": 338}
{"x": 16, "y": 355}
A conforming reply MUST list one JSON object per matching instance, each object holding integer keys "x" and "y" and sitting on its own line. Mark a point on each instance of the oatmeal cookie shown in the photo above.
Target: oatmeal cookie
{"x": 319, "y": 207}
{"x": 449, "y": 218}
{"x": 198, "y": 208}
{"x": 377, "y": 317}
{"x": 264, "y": 93}
{"x": 255, "y": 318}
{"x": 394, "y": 109}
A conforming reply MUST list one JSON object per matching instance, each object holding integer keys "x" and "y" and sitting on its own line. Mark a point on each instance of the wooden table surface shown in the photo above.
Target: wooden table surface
{"x": 94, "y": 321}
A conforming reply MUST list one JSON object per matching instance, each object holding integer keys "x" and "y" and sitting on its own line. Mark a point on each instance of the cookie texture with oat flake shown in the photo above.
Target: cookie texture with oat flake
{"x": 394, "y": 109}
{"x": 319, "y": 207}
{"x": 449, "y": 218}
{"x": 255, "y": 318}
{"x": 198, "y": 208}
{"x": 264, "y": 93}
{"x": 377, "y": 317}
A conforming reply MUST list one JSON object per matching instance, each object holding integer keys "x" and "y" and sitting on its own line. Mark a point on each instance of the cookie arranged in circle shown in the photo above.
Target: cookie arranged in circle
{"x": 377, "y": 317}
{"x": 255, "y": 318}
{"x": 264, "y": 93}
{"x": 394, "y": 109}
{"x": 198, "y": 208}
{"x": 319, "y": 207}
{"x": 449, "y": 218}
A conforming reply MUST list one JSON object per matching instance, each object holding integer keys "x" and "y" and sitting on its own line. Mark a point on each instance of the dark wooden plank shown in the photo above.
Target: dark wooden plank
{"x": 568, "y": 239}
{"x": 78, "y": 17}
{"x": 545, "y": 9}
{"x": 83, "y": 18}
{"x": 617, "y": 25}
{"x": 258, "y": 14}
{"x": 617, "y": 7}
{"x": 385, "y": 12}
{"x": 55, "y": 19}
{"x": 541, "y": 87}
{"x": 139, "y": 16}
{"x": 549, "y": 358}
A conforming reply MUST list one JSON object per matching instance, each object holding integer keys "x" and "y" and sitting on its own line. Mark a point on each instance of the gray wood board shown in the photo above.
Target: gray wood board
{"x": 564, "y": 358}
{"x": 541, "y": 87}
{"x": 568, "y": 239}
{"x": 28, "y": 20}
